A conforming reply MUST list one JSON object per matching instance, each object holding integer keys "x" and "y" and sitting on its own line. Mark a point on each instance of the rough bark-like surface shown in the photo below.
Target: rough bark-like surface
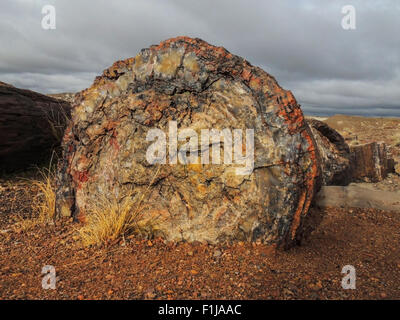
{"x": 201, "y": 87}
{"x": 334, "y": 153}
{"x": 370, "y": 162}
{"x": 31, "y": 124}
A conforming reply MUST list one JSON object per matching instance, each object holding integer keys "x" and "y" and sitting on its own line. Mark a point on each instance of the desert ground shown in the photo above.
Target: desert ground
{"x": 134, "y": 268}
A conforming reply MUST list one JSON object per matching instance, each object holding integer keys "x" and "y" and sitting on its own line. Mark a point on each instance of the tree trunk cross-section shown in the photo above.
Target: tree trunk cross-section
{"x": 199, "y": 86}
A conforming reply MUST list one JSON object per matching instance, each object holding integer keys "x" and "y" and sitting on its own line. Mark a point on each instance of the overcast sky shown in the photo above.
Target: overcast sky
{"x": 302, "y": 43}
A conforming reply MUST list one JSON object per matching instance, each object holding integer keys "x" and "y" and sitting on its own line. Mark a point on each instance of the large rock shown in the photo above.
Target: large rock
{"x": 200, "y": 87}
{"x": 334, "y": 153}
{"x": 370, "y": 162}
{"x": 31, "y": 124}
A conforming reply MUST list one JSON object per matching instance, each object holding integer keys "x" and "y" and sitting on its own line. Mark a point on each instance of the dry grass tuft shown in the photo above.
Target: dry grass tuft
{"x": 45, "y": 201}
{"x": 110, "y": 220}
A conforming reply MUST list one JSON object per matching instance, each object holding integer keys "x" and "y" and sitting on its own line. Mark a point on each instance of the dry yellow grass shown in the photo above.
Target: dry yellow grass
{"x": 43, "y": 203}
{"x": 110, "y": 220}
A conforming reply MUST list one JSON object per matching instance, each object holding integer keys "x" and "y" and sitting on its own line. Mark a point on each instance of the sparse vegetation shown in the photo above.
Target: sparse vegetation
{"x": 111, "y": 219}
{"x": 44, "y": 202}
{"x": 58, "y": 119}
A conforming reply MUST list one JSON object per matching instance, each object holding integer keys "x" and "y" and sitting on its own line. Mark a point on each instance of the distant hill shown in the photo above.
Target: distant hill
{"x": 5, "y": 84}
{"x": 66, "y": 96}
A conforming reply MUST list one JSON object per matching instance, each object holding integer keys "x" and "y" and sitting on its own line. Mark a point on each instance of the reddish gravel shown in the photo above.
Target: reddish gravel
{"x": 141, "y": 269}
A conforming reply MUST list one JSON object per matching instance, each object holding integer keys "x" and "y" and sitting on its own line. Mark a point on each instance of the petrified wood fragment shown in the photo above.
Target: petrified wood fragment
{"x": 371, "y": 162}
{"x": 31, "y": 125}
{"x": 197, "y": 86}
{"x": 334, "y": 154}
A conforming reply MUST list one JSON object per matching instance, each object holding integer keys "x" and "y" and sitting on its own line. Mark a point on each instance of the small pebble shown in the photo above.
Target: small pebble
{"x": 217, "y": 253}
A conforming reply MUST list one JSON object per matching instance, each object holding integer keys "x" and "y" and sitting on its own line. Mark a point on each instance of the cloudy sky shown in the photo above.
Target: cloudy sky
{"x": 302, "y": 43}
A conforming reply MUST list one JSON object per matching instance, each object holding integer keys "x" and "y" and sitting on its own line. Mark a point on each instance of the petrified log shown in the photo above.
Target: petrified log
{"x": 31, "y": 124}
{"x": 186, "y": 83}
{"x": 370, "y": 162}
{"x": 334, "y": 153}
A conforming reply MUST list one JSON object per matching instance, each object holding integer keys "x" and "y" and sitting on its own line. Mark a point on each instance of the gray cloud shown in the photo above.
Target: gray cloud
{"x": 301, "y": 43}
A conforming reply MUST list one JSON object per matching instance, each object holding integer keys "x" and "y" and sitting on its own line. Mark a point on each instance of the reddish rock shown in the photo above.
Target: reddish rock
{"x": 31, "y": 125}
{"x": 199, "y": 86}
